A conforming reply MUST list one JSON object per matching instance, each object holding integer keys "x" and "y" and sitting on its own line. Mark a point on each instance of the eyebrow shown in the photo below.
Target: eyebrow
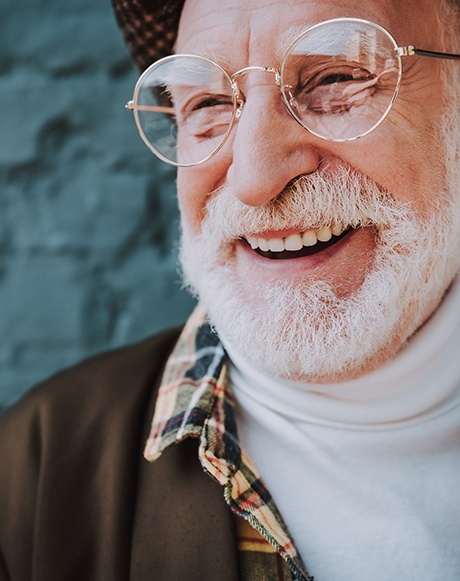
{"x": 212, "y": 53}
{"x": 288, "y": 36}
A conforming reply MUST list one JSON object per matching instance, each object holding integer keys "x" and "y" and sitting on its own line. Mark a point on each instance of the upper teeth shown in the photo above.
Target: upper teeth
{"x": 295, "y": 241}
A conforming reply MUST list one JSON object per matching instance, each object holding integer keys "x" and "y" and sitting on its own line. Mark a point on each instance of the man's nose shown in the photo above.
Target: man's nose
{"x": 269, "y": 148}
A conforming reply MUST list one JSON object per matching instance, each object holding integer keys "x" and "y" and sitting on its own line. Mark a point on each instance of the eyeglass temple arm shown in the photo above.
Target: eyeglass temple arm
{"x": 411, "y": 51}
{"x": 152, "y": 108}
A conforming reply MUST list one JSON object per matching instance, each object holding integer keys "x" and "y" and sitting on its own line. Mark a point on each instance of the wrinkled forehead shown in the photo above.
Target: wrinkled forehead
{"x": 215, "y": 27}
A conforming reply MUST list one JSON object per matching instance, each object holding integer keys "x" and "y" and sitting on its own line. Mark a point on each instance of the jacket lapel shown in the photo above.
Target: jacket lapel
{"x": 183, "y": 530}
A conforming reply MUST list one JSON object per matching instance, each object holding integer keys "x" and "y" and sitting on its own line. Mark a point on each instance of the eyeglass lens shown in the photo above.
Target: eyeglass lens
{"x": 338, "y": 79}
{"x": 185, "y": 107}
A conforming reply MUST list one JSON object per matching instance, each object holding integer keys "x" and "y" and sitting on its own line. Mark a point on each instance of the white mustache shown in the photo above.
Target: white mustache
{"x": 333, "y": 195}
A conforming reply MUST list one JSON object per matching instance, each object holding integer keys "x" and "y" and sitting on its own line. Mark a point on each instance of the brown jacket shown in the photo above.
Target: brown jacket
{"x": 77, "y": 500}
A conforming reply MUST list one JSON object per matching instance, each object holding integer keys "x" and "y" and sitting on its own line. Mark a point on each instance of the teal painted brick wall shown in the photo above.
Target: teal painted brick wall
{"x": 88, "y": 218}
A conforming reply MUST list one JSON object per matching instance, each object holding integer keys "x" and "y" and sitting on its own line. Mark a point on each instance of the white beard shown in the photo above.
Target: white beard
{"x": 302, "y": 330}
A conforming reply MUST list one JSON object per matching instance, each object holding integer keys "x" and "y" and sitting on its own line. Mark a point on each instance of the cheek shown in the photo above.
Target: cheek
{"x": 418, "y": 180}
{"x": 192, "y": 194}
{"x": 414, "y": 154}
{"x": 194, "y": 186}
{"x": 405, "y": 164}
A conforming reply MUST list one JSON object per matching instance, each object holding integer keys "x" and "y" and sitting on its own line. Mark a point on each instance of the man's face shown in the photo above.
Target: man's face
{"x": 352, "y": 304}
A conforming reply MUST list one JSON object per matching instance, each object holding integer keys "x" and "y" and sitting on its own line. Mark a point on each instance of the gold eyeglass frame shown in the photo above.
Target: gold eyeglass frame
{"x": 238, "y": 96}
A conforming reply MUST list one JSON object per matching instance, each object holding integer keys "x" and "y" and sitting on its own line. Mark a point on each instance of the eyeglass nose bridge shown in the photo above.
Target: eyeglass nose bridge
{"x": 240, "y": 102}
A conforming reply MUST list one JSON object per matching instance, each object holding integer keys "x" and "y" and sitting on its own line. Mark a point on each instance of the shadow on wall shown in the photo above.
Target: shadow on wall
{"x": 88, "y": 218}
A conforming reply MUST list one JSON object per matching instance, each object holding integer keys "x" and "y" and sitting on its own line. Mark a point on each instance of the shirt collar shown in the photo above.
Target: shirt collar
{"x": 195, "y": 400}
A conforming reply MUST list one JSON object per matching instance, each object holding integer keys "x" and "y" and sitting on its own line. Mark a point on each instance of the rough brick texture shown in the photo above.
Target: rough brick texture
{"x": 88, "y": 219}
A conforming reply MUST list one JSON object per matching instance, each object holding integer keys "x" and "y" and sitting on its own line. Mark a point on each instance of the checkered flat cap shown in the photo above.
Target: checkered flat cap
{"x": 149, "y": 27}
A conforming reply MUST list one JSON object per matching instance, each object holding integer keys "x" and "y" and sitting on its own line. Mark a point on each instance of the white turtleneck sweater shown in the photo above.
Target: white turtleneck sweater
{"x": 366, "y": 473}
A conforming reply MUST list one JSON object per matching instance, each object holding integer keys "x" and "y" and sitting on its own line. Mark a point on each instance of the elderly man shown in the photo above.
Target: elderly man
{"x": 307, "y": 421}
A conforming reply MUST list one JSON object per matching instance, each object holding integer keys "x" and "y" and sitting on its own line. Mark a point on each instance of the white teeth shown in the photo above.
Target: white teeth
{"x": 295, "y": 242}
{"x": 264, "y": 244}
{"x": 309, "y": 238}
{"x": 324, "y": 234}
{"x": 253, "y": 242}
{"x": 276, "y": 244}
{"x": 336, "y": 229}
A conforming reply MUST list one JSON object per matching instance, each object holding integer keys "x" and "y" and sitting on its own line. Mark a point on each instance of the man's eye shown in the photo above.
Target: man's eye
{"x": 205, "y": 101}
{"x": 335, "y": 78}
{"x": 334, "y": 90}
{"x": 206, "y": 116}
{"x": 343, "y": 75}
{"x": 211, "y": 102}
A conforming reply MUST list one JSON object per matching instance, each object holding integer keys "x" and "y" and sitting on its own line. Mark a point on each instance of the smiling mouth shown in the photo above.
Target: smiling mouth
{"x": 297, "y": 245}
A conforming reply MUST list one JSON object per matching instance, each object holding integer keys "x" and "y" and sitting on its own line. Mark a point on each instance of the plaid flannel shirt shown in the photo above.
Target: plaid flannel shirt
{"x": 195, "y": 400}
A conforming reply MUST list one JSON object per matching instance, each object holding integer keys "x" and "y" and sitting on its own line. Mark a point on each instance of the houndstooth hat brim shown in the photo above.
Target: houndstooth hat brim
{"x": 149, "y": 27}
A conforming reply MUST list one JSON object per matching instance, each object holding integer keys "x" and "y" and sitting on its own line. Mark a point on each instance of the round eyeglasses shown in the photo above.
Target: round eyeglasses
{"x": 338, "y": 79}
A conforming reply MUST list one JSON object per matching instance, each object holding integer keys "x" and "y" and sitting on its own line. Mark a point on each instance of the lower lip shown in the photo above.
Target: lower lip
{"x": 334, "y": 253}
